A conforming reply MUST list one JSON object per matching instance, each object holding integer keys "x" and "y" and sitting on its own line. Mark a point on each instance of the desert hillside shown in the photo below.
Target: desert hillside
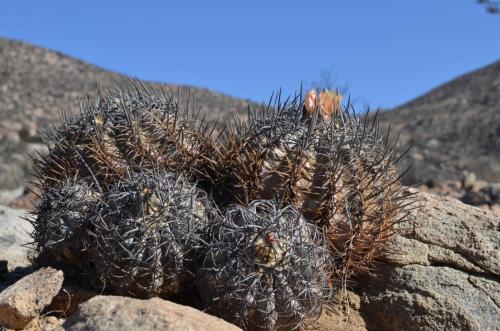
{"x": 37, "y": 83}
{"x": 453, "y": 128}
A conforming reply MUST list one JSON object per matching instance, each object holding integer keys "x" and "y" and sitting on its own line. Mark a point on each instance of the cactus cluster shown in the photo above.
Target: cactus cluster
{"x": 266, "y": 219}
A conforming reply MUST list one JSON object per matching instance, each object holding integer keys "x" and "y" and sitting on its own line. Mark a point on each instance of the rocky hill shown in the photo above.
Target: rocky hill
{"x": 37, "y": 83}
{"x": 453, "y": 128}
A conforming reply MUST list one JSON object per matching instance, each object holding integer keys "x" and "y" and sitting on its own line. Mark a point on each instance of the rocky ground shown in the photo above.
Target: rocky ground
{"x": 454, "y": 131}
{"x": 441, "y": 272}
{"x": 470, "y": 190}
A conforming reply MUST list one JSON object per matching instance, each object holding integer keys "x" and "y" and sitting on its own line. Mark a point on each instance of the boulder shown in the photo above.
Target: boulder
{"x": 441, "y": 273}
{"x": 25, "y": 299}
{"x": 493, "y": 191}
{"x": 47, "y": 323}
{"x": 7, "y": 196}
{"x": 114, "y": 313}
{"x": 14, "y": 233}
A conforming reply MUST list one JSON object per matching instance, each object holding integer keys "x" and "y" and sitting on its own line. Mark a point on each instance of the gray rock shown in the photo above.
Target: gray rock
{"x": 47, "y": 323}
{"x": 419, "y": 297}
{"x": 433, "y": 143}
{"x": 479, "y": 185}
{"x": 24, "y": 300}
{"x": 14, "y": 233}
{"x": 113, "y": 313}
{"x": 441, "y": 274}
{"x": 35, "y": 150}
{"x": 468, "y": 180}
{"x": 7, "y": 196}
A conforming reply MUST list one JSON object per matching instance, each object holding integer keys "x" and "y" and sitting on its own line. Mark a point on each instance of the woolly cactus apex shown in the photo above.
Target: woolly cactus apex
{"x": 60, "y": 227}
{"x": 146, "y": 234}
{"x": 125, "y": 129}
{"x": 265, "y": 268}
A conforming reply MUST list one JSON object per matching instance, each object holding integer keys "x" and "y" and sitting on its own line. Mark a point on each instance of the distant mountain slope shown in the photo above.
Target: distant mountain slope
{"x": 454, "y": 127}
{"x": 36, "y": 83}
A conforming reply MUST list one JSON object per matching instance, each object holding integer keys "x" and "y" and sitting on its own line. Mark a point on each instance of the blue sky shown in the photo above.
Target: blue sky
{"x": 387, "y": 51}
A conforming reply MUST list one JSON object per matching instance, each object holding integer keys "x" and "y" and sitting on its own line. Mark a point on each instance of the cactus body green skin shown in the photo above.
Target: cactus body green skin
{"x": 147, "y": 234}
{"x": 265, "y": 268}
{"x": 338, "y": 173}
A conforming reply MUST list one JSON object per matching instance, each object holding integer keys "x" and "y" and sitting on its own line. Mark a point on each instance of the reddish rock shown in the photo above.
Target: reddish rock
{"x": 25, "y": 299}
